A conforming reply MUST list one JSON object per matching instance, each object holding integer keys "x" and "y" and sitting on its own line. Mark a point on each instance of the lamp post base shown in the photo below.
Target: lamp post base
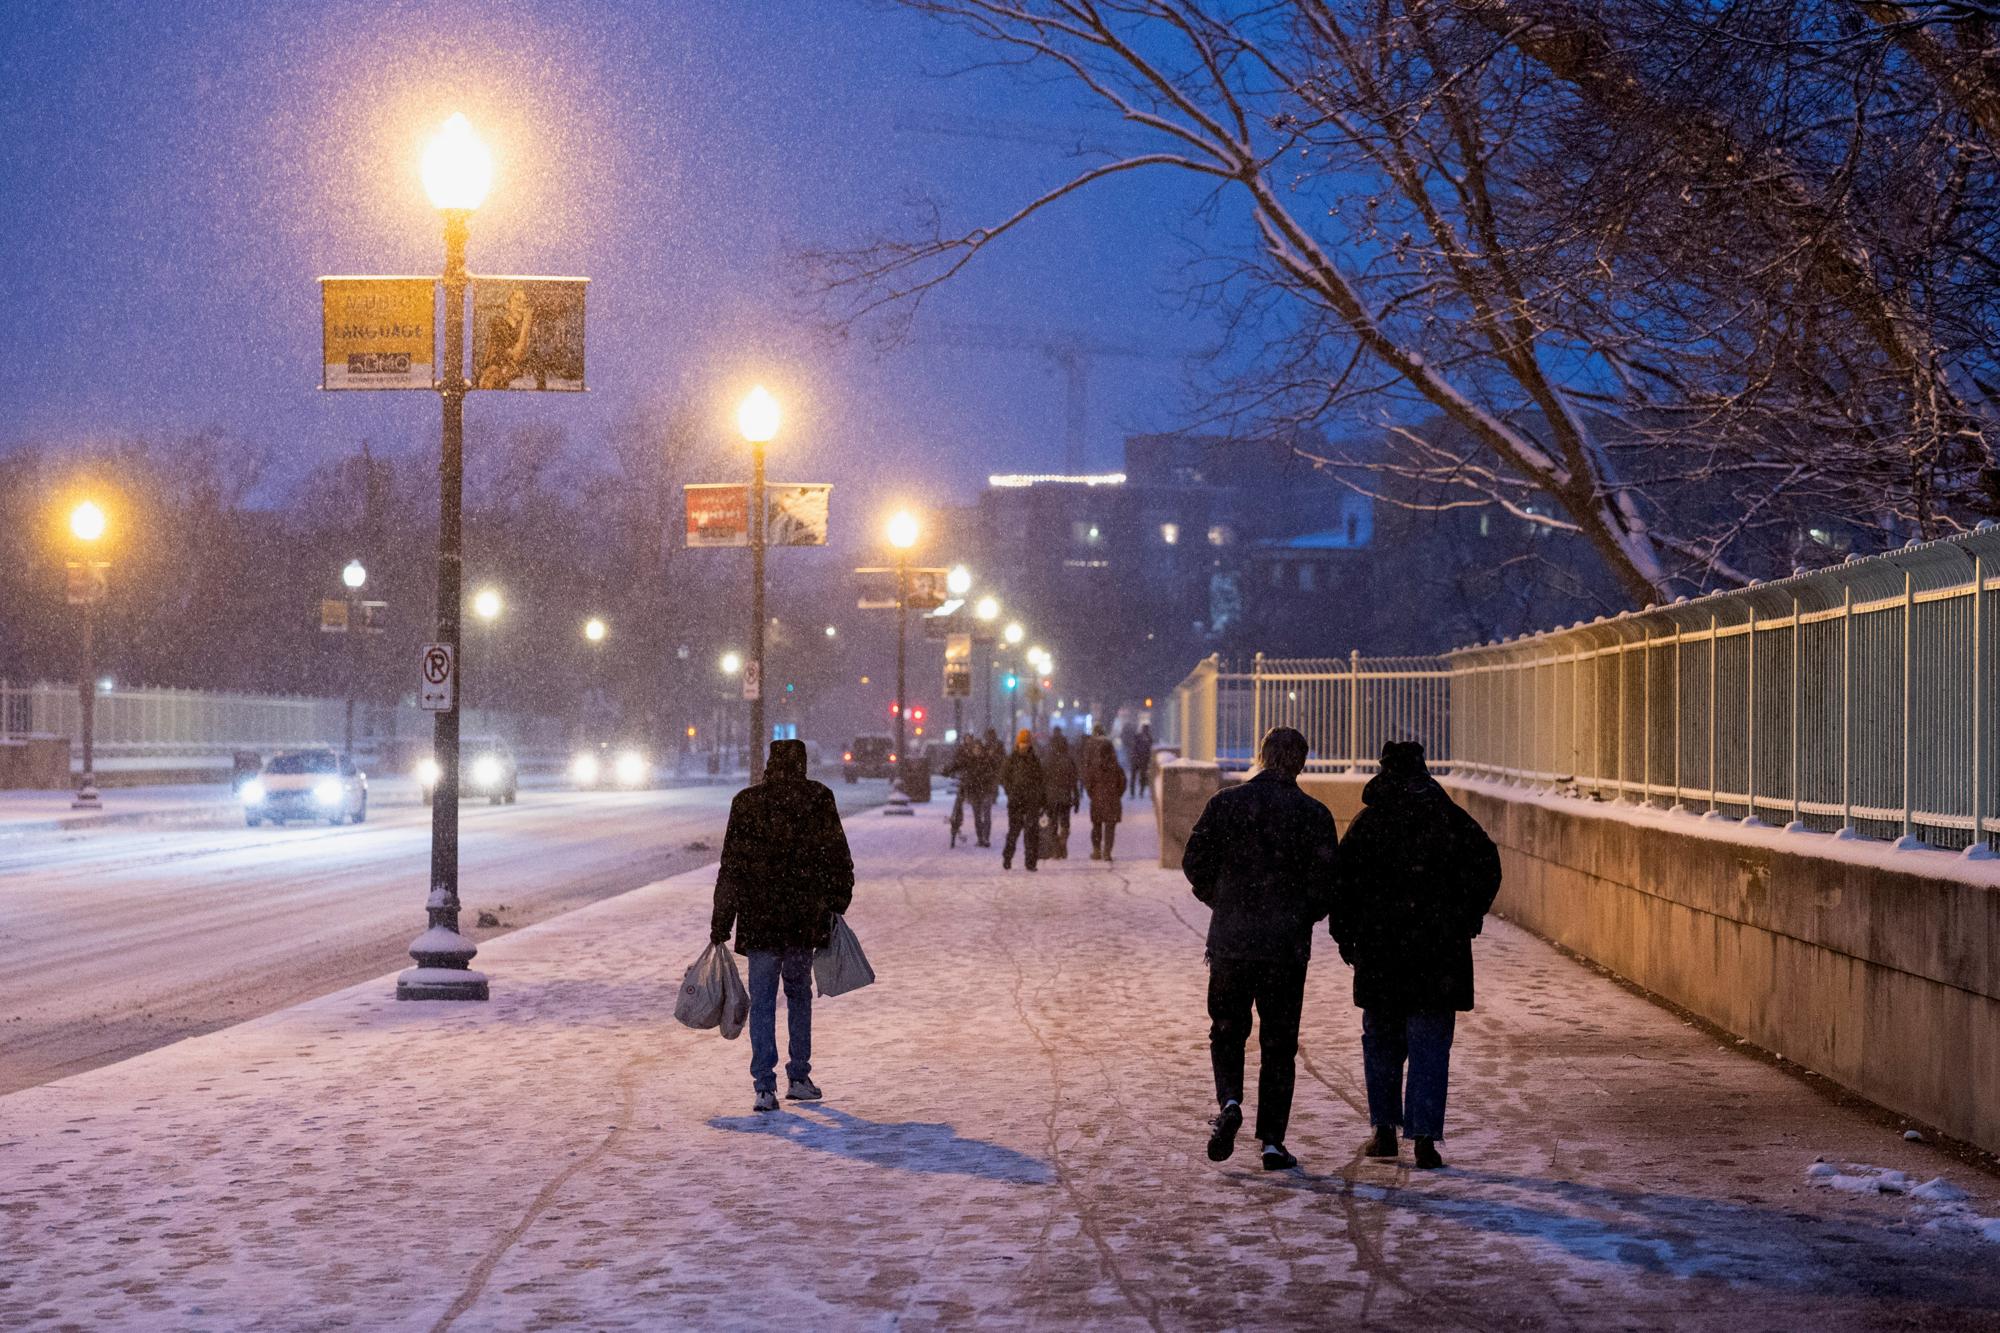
{"x": 86, "y": 798}
{"x": 442, "y": 972}
{"x": 899, "y": 804}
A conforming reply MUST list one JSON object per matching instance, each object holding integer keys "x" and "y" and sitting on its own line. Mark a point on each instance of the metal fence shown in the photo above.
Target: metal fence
{"x": 1858, "y": 700}
{"x": 139, "y": 729}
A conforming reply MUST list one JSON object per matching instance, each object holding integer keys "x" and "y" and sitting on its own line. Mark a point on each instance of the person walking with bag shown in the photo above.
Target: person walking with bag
{"x": 1021, "y": 778}
{"x": 1417, "y": 876}
{"x": 1104, "y": 783}
{"x": 1062, "y": 793}
{"x": 785, "y": 873}
{"x": 1262, "y": 857}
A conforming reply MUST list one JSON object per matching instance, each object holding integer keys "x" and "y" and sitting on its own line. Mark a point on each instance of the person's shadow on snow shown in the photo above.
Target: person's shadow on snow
{"x": 906, "y": 1145}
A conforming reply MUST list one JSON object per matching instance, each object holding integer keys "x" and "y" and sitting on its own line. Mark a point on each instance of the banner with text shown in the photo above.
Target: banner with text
{"x": 376, "y": 333}
{"x": 527, "y": 333}
{"x": 795, "y": 514}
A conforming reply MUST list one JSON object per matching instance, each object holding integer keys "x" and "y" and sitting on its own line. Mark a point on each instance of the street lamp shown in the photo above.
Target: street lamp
{"x": 595, "y": 629}
{"x": 457, "y": 172}
{"x": 832, "y": 631}
{"x": 352, "y": 577}
{"x": 87, "y": 524}
{"x": 757, "y": 418}
{"x": 987, "y": 610}
{"x": 902, "y": 536}
{"x": 486, "y": 604}
{"x": 732, "y": 663}
{"x": 958, "y": 582}
{"x": 1014, "y": 634}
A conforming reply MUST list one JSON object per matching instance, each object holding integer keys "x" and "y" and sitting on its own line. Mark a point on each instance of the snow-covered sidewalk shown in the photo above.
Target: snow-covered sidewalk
{"x": 1012, "y": 1136}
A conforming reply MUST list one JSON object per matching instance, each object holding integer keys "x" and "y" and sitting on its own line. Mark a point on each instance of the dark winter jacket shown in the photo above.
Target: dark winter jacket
{"x": 785, "y": 865}
{"x": 1417, "y": 875}
{"x": 1060, "y": 787}
{"x": 1262, "y": 857}
{"x": 1103, "y": 780}
{"x": 978, "y": 773}
{"x": 1021, "y": 778}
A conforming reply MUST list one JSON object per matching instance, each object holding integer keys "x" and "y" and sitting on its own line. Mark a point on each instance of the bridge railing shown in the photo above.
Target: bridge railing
{"x": 1858, "y": 700}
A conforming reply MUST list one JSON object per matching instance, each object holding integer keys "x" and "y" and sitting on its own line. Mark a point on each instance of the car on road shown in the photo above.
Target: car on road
{"x": 310, "y": 784}
{"x": 608, "y": 766}
{"x": 869, "y": 757}
{"x": 487, "y": 768}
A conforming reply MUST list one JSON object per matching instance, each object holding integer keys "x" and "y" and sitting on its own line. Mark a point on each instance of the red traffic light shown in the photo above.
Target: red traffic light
{"x": 917, "y": 714}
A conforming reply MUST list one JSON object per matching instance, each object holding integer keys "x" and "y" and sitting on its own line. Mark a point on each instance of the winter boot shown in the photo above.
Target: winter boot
{"x": 1277, "y": 1159}
{"x": 1222, "y": 1132}
{"x": 1382, "y": 1144}
{"x": 767, "y": 1100}
{"x": 1006, "y": 863}
{"x": 1427, "y": 1156}
{"x": 803, "y": 1090}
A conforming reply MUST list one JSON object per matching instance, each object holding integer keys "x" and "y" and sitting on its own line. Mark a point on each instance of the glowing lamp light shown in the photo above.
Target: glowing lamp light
{"x": 1014, "y": 634}
{"x": 486, "y": 604}
{"x": 355, "y": 574}
{"x": 458, "y": 168}
{"x": 987, "y": 609}
{"x": 832, "y": 631}
{"x": 903, "y": 530}
{"x": 732, "y": 663}
{"x": 959, "y": 581}
{"x": 595, "y": 630}
{"x": 757, "y": 416}
{"x": 86, "y": 522}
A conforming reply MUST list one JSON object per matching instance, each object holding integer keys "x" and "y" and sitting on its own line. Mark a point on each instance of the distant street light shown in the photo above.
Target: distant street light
{"x": 903, "y": 530}
{"x": 88, "y": 525}
{"x": 959, "y": 581}
{"x": 832, "y": 631}
{"x": 353, "y": 575}
{"x": 987, "y": 609}
{"x": 732, "y": 663}
{"x": 757, "y": 418}
{"x": 1013, "y": 634}
{"x": 486, "y": 605}
{"x": 595, "y": 629}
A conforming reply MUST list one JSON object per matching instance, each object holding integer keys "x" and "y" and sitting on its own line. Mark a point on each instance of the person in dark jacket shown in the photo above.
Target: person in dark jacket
{"x": 785, "y": 873}
{"x": 1142, "y": 761}
{"x": 1021, "y": 778}
{"x": 1104, "y": 783}
{"x": 1062, "y": 793}
{"x": 1262, "y": 857}
{"x": 983, "y": 769}
{"x": 1417, "y": 875}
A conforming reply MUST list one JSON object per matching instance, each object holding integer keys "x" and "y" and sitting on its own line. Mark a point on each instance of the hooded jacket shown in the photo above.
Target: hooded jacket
{"x": 1059, "y": 777}
{"x": 1262, "y": 857}
{"x": 1416, "y": 877}
{"x": 785, "y": 866}
{"x": 1021, "y": 778}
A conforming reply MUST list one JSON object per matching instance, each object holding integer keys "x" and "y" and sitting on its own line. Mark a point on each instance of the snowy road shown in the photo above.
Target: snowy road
{"x": 1012, "y": 1138}
{"x": 118, "y": 939}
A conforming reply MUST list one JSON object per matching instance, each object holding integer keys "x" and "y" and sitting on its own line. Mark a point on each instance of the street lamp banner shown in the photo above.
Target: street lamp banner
{"x": 87, "y": 582}
{"x": 927, "y": 588}
{"x": 377, "y": 333}
{"x": 527, "y": 333}
{"x": 795, "y": 514}
{"x": 958, "y": 666}
{"x": 333, "y": 615}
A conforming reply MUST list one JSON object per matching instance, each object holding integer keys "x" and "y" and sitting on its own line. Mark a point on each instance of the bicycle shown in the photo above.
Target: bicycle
{"x": 957, "y": 815}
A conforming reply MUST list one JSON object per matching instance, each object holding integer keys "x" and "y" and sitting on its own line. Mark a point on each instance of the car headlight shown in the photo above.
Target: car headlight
{"x": 584, "y": 769}
{"x": 328, "y": 791}
{"x": 486, "y": 771}
{"x": 631, "y": 768}
{"x": 428, "y": 772}
{"x": 253, "y": 792}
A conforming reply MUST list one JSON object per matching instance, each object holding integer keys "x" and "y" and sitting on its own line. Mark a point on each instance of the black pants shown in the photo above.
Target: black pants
{"x": 1103, "y": 833}
{"x": 1277, "y": 990}
{"x": 982, "y": 819}
{"x": 1059, "y": 830}
{"x": 1021, "y": 819}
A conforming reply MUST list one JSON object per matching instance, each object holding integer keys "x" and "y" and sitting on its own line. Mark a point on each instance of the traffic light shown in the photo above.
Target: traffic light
{"x": 1011, "y": 681}
{"x": 917, "y": 714}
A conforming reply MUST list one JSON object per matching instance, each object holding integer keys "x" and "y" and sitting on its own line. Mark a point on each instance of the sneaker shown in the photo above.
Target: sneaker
{"x": 1382, "y": 1144}
{"x": 803, "y": 1090}
{"x": 1427, "y": 1156}
{"x": 767, "y": 1100}
{"x": 1277, "y": 1159}
{"x": 1222, "y": 1132}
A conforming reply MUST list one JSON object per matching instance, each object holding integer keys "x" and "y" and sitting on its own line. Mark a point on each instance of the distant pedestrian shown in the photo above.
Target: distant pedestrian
{"x": 1262, "y": 857}
{"x": 1062, "y": 793}
{"x": 1128, "y": 736}
{"x": 1104, "y": 783}
{"x": 975, "y": 775}
{"x": 1416, "y": 877}
{"x": 1021, "y": 778}
{"x": 984, "y": 777}
{"x": 785, "y": 873}
{"x": 1142, "y": 760}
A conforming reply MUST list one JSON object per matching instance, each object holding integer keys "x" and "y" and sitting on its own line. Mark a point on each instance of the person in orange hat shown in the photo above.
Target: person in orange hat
{"x": 1021, "y": 778}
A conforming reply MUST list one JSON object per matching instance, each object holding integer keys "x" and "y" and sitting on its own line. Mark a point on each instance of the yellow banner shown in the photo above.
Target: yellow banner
{"x": 377, "y": 333}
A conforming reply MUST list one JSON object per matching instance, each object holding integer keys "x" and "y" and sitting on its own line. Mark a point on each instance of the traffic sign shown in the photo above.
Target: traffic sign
{"x": 439, "y": 678}
{"x": 753, "y": 680}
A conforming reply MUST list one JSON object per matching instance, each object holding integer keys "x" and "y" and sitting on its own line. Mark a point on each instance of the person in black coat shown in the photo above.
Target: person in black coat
{"x": 1262, "y": 856}
{"x": 1022, "y": 779}
{"x": 785, "y": 874}
{"x": 1417, "y": 876}
{"x": 1062, "y": 793}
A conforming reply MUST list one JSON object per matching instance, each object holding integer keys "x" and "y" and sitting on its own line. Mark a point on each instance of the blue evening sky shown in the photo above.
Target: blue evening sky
{"x": 176, "y": 175}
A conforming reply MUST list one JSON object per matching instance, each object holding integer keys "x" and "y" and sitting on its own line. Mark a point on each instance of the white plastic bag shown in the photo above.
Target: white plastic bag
{"x": 712, "y": 994}
{"x": 841, "y": 966}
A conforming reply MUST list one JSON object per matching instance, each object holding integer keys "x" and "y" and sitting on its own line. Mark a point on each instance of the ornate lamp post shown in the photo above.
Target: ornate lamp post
{"x": 353, "y": 577}
{"x": 457, "y": 172}
{"x": 757, "y": 418}
{"x": 87, "y": 525}
{"x": 986, "y": 611}
{"x": 902, "y": 536}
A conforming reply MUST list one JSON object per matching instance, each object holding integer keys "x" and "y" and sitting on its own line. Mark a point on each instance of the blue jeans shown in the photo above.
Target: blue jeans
{"x": 1388, "y": 1039}
{"x": 767, "y": 966}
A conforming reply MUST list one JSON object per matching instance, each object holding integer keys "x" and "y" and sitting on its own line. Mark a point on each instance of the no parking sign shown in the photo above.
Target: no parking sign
{"x": 438, "y": 678}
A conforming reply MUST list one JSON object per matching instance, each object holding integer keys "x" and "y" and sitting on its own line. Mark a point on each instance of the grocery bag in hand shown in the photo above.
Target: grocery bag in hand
{"x": 841, "y": 966}
{"x": 712, "y": 994}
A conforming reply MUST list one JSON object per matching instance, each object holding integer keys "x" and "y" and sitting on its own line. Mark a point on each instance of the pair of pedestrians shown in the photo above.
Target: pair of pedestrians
{"x": 1404, "y": 894}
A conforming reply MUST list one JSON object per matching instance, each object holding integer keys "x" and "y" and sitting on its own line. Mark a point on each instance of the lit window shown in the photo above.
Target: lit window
{"x": 1170, "y": 533}
{"x": 1219, "y": 535}
{"x": 1486, "y": 525}
{"x": 1085, "y": 533}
